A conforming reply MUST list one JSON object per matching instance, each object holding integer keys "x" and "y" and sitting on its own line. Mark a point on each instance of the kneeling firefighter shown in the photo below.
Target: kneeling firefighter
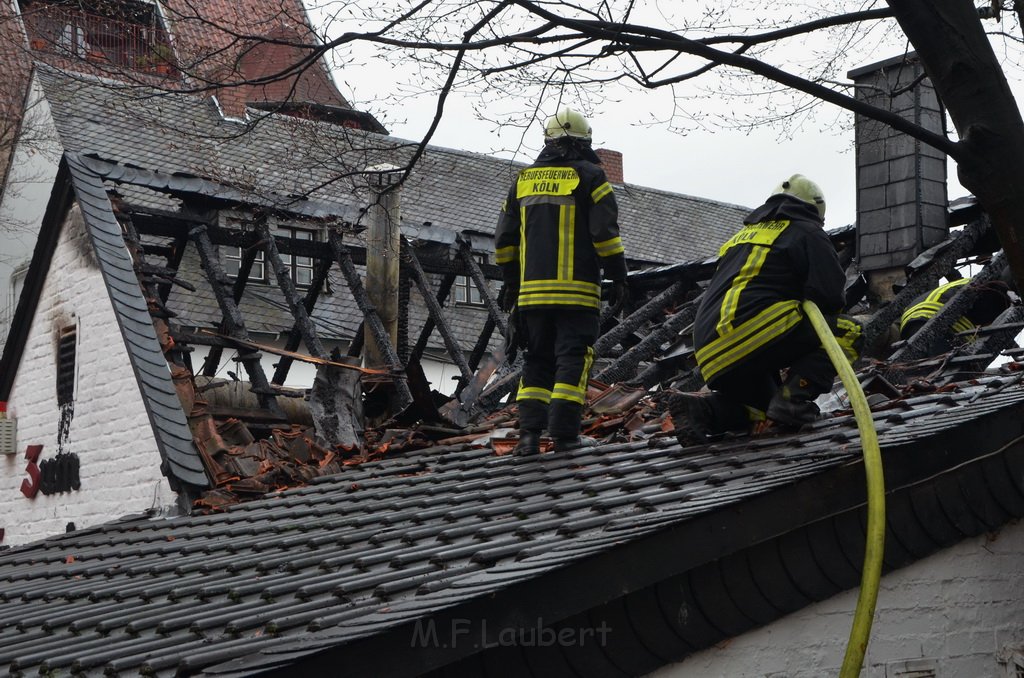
{"x": 750, "y": 325}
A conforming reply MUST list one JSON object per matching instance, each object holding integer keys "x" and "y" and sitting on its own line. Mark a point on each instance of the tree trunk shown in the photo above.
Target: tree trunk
{"x": 959, "y": 59}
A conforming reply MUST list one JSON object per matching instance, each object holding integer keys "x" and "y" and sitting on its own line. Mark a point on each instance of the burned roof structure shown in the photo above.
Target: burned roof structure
{"x": 418, "y": 546}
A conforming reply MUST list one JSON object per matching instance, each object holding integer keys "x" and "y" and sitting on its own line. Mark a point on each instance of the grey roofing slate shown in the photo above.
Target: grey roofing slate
{"x": 458, "y": 190}
{"x": 351, "y": 556}
{"x": 173, "y": 437}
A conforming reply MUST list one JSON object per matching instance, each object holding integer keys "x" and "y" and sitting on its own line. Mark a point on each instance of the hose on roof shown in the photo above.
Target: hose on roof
{"x": 875, "y": 542}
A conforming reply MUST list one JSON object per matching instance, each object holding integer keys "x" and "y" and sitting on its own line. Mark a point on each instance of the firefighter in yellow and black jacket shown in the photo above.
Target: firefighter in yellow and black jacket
{"x": 557, "y": 232}
{"x": 750, "y": 324}
{"x": 992, "y": 299}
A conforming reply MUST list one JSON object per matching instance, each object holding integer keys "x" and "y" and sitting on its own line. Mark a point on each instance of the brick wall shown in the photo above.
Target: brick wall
{"x": 611, "y": 161}
{"x": 958, "y": 611}
{"x": 109, "y": 429}
{"x": 205, "y": 42}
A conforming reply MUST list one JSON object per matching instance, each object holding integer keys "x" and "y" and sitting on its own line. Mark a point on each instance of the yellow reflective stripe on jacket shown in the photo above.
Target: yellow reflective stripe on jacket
{"x": 505, "y": 255}
{"x": 962, "y": 324}
{"x": 558, "y": 300}
{"x": 547, "y": 181}
{"x": 851, "y": 332}
{"x": 932, "y": 304}
{"x": 566, "y": 241}
{"x": 573, "y": 286}
{"x": 936, "y": 294}
{"x": 601, "y": 191}
{"x": 533, "y": 393}
{"x": 610, "y": 247}
{"x": 761, "y": 233}
{"x": 751, "y": 267}
{"x": 767, "y": 325}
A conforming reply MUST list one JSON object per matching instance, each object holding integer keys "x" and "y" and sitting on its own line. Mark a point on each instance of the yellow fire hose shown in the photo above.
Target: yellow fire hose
{"x": 875, "y": 543}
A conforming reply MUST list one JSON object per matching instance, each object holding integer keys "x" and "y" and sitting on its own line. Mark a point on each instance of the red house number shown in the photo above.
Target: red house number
{"x": 30, "y": 486}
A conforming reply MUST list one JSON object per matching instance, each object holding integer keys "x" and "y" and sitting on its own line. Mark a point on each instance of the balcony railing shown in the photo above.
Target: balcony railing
{"x": 80, "y": 35}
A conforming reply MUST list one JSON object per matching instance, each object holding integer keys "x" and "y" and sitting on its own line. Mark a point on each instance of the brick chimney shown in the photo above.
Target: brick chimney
{"x": 611, "y": 161}
{"x": 901, "y": 182}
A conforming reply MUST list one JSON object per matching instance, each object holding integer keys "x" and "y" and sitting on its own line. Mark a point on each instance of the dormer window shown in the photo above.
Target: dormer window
{"x": 299, "y": 268}
{"x": 119, "y": 33}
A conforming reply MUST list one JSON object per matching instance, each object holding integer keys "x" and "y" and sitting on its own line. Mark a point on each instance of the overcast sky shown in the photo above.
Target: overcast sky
{"x": 722, "y": 164}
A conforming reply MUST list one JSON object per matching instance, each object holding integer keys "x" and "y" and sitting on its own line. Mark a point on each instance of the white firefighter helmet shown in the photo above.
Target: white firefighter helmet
{"x": 567, "y": 122}
{"x": 802, "y": 188}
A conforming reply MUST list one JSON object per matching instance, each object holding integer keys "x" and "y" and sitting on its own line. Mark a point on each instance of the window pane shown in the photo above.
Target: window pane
{"x": 303, "y": 276}
{"x": 232, "y": 262}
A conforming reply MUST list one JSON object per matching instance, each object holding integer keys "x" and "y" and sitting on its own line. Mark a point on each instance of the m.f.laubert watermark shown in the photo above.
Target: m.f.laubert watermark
{"x": 479, "y": 635}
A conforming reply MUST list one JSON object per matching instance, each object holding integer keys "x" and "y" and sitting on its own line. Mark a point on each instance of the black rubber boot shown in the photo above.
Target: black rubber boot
{"x": 699, "y": 417}
{"x": 569, "y": 444}
{"x": 528, "y": 445}
{"x": 793, "y": 404}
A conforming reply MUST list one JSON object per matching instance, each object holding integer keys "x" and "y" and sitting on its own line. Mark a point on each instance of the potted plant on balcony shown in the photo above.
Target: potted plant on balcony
{"x": 158, "y": 59}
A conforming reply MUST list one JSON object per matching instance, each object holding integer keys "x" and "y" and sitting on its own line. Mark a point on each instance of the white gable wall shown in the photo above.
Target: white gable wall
{"x": 25, "y": 194}
{"x": 959, "y": 612}
{"x": 109, "y": 431}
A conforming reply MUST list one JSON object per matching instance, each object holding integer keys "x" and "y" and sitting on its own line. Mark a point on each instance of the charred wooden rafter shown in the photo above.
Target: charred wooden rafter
{"x": 437, "y": 317}
{"x": 233, "y": 322}
{"x": 343, "y": 258}
{"x": 941, "y": 323}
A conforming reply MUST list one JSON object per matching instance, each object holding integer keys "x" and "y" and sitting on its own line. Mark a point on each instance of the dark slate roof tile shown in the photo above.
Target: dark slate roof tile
{"x": 287, "y": 564}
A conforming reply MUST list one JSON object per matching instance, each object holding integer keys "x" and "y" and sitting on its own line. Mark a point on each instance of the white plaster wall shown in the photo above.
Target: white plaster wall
{"x": 441, "y": 375}
{"x": 25, "y": 195}
{"x": 110, "y": 430}
{"x": 962, "y": 607}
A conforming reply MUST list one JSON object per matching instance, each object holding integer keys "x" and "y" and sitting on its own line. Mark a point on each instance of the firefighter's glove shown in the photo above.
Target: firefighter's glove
{"x": 514, "y": 337}
{"x": 618, "y": 293}
{"x": 508, "y": 297}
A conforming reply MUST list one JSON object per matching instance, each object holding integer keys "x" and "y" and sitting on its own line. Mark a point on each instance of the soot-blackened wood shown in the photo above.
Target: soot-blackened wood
{"x": 941, "y": 323}
{"x": 333, "y": 398}
{"x": 428, "y": 327}
{"x": 371, "y": 319}
{"x": 923, "y": 281}
{"x": 436, "y": 314}
{"x": 212, "y": 362}
{"x": 657, "y": 304}
{"x": 625, "y": 366}
{"x": 320, "y": 270}
{"x": 232, "y": 322}
{"x": 476, "y": 273}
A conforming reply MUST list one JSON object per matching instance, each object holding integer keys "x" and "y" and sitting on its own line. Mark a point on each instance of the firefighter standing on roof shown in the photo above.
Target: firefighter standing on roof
{"x": 750, "y": 324}
{"x": 557, "y": 231}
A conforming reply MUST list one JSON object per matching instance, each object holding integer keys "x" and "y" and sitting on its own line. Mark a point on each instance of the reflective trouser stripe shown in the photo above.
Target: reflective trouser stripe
{"x": 533, "y": 393}
{"x": 576, "y": 393}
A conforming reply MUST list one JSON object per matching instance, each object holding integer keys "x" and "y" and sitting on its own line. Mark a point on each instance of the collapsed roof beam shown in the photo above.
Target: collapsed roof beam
{"x": 657, "y": 304}
{"x": 625, "y": 367}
